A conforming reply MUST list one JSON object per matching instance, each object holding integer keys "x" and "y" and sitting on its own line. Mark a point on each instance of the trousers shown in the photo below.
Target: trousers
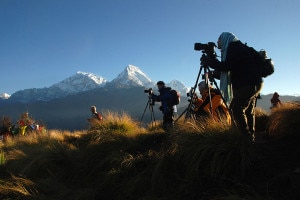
{"x": 242, "y": 107}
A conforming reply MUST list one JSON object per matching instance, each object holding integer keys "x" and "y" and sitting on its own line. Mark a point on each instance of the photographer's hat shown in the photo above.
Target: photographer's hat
{"x": 263, "y": 53}
{"x": 160, "y": 83}
{"x": 202, "y": 85}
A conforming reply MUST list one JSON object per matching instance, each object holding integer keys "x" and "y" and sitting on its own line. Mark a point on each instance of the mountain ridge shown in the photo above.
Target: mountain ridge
{"x": 71, "y": 112}
{"x": 131, "y": 76}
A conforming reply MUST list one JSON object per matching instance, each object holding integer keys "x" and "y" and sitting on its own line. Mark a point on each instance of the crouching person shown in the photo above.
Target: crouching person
{"x": 211, "y": 103}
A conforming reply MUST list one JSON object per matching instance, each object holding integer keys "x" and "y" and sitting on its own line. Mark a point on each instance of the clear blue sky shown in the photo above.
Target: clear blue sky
{"x": 43, "y": 42}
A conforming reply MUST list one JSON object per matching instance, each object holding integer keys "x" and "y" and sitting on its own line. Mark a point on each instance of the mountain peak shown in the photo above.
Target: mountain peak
{"x": 132, "y": 68}
{"x": 81, "y": 81}
{"x": 131, "y": 76}
{"x": 132, "y": 71}
{"x": 97, "y": 79}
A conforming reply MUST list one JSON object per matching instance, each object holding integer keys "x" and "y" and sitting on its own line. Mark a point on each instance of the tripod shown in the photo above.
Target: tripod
{"x": 189, "y": 111}
{"x": 149, "y": 105}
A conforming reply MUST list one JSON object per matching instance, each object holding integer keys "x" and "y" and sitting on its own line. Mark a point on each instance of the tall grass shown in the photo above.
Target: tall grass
{"x": 2, "y": 158}
{"x": 115, "y": 123}
{"x": 284, "y": 121}
{"x": 119, "y": 159}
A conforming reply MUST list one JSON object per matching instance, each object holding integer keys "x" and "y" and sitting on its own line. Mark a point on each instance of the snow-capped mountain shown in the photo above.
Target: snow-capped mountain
{"x": 79, "y": 82}
{"x": 4, "y": 96}
{"x": 131, "y": 76}
{"x": 177, "y": 85}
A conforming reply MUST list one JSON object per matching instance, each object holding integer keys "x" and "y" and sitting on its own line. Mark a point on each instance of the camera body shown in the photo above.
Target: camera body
{"x": 208, "y": 48}
{"x": 149, "y": 91}
{"x": 190, "y": 92}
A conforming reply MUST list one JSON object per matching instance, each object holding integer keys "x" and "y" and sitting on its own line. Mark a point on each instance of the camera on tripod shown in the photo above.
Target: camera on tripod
{"x": 149, "y": 91}
{"x": 208, "y": 48}
{"x": 190, "y": 92}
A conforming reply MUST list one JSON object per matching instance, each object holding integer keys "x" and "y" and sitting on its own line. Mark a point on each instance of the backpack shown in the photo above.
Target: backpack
{"x": 98, "y": 116}
{"x": 262, "y": 65}
{"x": 175, "y": 97}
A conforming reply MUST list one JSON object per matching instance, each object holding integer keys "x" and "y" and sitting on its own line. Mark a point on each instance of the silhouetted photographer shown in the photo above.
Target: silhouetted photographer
{"x": 167, "y": 104}
{"x": 244, "y": 78}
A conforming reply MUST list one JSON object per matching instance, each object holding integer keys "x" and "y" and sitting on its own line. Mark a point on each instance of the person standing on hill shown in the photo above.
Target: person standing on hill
{"x": 275, "y": 101}
{"x": 167, "y": 107}
{"x": 246, "y": 83}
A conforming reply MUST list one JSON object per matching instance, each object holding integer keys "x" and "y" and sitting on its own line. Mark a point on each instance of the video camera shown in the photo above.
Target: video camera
{"x": 190, "y": 92}
{"x": 149, "y": 91}
{"x": 208, "y": 48}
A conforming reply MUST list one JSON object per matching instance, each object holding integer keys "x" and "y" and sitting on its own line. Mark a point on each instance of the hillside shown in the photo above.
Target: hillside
{"x": 119, "y": 160}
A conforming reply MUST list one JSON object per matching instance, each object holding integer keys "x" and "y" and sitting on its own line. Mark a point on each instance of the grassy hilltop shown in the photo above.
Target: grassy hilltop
{"x": 121, "y": 159}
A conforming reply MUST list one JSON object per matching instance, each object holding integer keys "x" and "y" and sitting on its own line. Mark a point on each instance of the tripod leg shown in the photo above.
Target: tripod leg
{"x": 188, "y": 110}
{"x": 153, "y": 122}
{"x": 181, "y": 115}
{"x": 209, "y": 92}
{"x": 144, "y": 111}
{"x": 214, "y": 81}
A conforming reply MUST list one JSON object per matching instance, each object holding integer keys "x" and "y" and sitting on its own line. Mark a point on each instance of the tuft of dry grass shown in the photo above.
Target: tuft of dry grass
{"x": 17, "y": 188}
{"x": 115, "y": 123}
{"x": 204, "y": 124}
{"x": 261, "y": 120}
{"x": 284, "y": 121}
{"x": 2, "y": 158}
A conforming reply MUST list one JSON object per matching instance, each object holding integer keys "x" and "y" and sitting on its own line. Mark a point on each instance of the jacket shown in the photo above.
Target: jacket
{"x": 237, "y": 62}
{"x": 166, "y": 98}
{"x": 217, "y": 108}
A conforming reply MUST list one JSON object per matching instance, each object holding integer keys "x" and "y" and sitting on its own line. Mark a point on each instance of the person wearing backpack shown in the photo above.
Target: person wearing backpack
{"x": 246, "y": 81}
{"x": 167, "y": 104}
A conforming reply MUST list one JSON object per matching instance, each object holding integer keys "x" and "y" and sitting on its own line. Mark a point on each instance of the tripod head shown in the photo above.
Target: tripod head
{"x": 150, "y": 94}
{"x": 207, "y": 49}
